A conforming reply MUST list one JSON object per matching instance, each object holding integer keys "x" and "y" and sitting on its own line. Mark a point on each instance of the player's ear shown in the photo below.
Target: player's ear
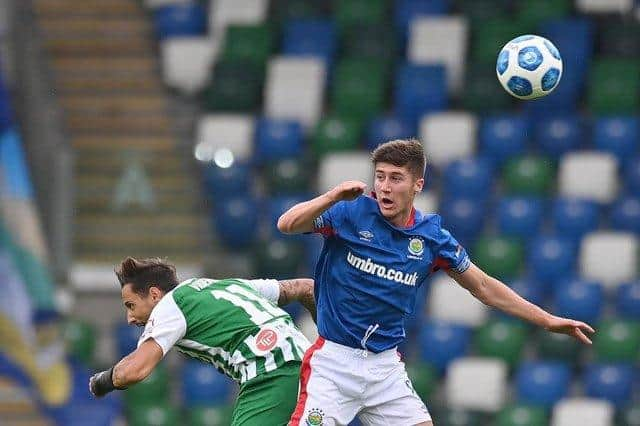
{"x": 155, "y": 293}
{"x": 418, "y": 185}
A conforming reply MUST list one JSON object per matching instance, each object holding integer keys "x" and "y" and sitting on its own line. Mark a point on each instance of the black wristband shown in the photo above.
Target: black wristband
{"x": 102, "y": 383}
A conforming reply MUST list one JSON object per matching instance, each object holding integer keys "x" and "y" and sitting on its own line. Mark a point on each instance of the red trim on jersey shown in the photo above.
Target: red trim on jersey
{"x": 412, "y": 216}
{"x": 327, "y": 231}
{"x": 305, "y": 374}
{"x": 440, "y": 263}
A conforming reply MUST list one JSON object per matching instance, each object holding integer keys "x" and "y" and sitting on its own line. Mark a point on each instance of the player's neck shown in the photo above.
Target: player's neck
{"x": 404, "y": 219}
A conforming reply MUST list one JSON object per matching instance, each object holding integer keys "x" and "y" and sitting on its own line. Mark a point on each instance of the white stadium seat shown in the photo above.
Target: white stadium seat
{"x": 187, "y": 62}
{"x": 448, "y": 136}
{"x": 446, "y": 293}
{"x": 426, "y": 202}
{"x": 582, "y": 412}
{"x": 476, "y": 384}
{"x": 233, "y": 132}
{"x": 340, "y": 166}
{"x": 604, "y": 6}
{"x": 590, "y": 175}
{"x": 609, "y": 257}
{"x": 244, "y": 12}
{"x": 440, "y": 40}
{"x": 294, "y": 88}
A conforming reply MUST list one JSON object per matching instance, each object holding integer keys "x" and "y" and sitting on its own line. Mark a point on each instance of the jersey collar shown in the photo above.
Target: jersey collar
{"x": 412, "y": 216}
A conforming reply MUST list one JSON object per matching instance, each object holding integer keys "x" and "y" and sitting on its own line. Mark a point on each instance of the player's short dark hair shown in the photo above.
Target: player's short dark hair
{"x": 143, "y": 274}
{"x": 402, "y": 152}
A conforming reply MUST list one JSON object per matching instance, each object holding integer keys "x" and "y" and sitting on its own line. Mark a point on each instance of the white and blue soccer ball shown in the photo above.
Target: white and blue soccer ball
{"x": 529, "y": 67}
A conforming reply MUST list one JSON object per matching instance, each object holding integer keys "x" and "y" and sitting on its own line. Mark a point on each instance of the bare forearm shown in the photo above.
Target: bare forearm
{"x": 300, "y": 217}
{"x": 300, "y": 289}
{"x": 127, "y": 372}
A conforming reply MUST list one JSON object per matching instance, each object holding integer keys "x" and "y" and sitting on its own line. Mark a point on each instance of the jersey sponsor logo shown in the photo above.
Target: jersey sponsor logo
{"x": 266, "y": 339}
{"x": 315, "y": 417}
{"x": 381, "y": 271}
{"x": 366, "y": 235}
{"x": 416, "y": 247}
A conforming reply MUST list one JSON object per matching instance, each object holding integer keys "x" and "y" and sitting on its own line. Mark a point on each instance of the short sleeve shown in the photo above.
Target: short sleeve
{"x": 328, "y": 222}
{"x": 269, "y": 289}
{"x": 166, "y": 324}
{"x": 450, "y": 254}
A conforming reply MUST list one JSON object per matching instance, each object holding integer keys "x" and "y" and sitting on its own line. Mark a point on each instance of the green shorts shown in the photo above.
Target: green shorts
{"x": 268, "y": 400}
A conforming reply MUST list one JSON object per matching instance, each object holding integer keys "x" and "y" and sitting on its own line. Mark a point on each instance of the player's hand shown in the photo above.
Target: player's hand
{"x": 573, "y": 328}
{"x": 347, "y": 191}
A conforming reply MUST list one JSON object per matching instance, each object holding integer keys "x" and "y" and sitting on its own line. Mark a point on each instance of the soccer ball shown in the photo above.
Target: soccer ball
{"x": 529, "y": 67}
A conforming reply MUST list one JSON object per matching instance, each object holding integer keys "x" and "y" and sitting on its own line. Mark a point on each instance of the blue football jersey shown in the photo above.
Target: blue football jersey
{"x": 369, "y": 271}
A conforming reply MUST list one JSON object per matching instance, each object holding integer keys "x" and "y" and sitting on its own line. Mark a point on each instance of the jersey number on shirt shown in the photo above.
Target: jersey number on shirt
{"x": 258, "y": 309}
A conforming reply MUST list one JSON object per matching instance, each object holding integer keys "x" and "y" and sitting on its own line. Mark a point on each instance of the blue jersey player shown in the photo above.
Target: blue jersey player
{"x": 377, "y": 252}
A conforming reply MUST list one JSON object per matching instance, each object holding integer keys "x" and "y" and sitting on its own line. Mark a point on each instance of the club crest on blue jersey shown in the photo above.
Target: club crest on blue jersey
{"x": 416, "y": 247}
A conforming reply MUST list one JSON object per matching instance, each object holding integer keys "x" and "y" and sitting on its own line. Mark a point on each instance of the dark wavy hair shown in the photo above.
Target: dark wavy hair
{"x": 146, "y": 273}
{"x": 402, "y": 153}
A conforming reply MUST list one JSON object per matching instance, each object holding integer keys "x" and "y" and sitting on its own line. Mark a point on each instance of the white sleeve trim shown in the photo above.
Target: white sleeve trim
{"x": 166, "y": 324}
{"x": 269, "y": 289}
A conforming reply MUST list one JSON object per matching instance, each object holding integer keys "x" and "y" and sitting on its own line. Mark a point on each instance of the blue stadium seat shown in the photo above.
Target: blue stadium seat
{"x": 632, "y": 175}
{"x": 277, "y": 139}
{"x": 386, "y": 128}
{"x": 469, "y": 177}
{"x": 276, "y": 206}
{"x": 5, "y": 107}
{"x": 625, "y": 214}
{"x": 613, "y": 382}
{"x": 203, "y": 385}
{"x": 442, "y": 342}
{"x": 532, "y": 290}
{"x": 236, "y": 221}
{"x": 579, "y": 299}
{"x": 180, "y": 20}
{"x": 551, "y": 258}
{"x": 628, "y": 301}
{"x": 126, "y": 337}
{"x": 520, "y": 216}
{"x": 572, "y": 218}
{"x": 310, "y": 37}
{"x": 542, "y": 383}
{"x": 406, "y": 10}
{"x": 224, "y": 182}
{"x": 464, "y": 217}
{"x": 503, "y": 136}
{"x": 419, "y": 89}
{"x": 617, "y": 135}
{"x": 558, "y": 134}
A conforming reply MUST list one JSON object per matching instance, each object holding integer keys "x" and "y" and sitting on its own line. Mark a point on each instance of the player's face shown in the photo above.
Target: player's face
{"x": 139, "y": 307}
{"x": 396, "y": 187}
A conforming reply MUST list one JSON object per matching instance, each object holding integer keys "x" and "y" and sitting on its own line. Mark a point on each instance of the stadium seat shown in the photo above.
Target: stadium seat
{"x": 558, "y": 134}
{"x": 532, "y": 290}
{"x": 203, "y": 385}
{"x": 528, "y": 175}
{"x": 352, "y": 12}
{"x": 519, "y": 217}
{"x": 424, "y": 379}
{"x": 530, "y": 13}
{"x": 285, "y": 10}
{"x": 248, "y": 43}
{"x": 335, "y": 133}
{"x": 243, "y": 12}
{"x": 180, "y": 20}
{"x": 206, "y": 415}
{"x": 458, "y": 417}
{"x": 628, "y": 416}
{"x": 407, "y": 10}
{"x": 235, "y": 86}
{"x": 558, "y": 347}
{"x": 609, "y": 257}
{"x": 186, "y": 62}
{"x": 476, "y": 384}
{"x": 152, "y": 390}
{"x": 464, "y": 217}
{"x": 617, "y": 341}
{"x": 366, "y": 41}
{"x": 580, "y": 300}
{"x": 236, "y": 220}
{"x": 310, "y": 37}
{"x": 288, "y": 176}
{"x": 340, "y": 166}
{"x": 224, "y": 182}
{"x": 217, "y": 132}
{"x": 445, "y": 293}
{"x": 278, "y": 139}
{"x": 628, "y": 301}
{"x": 490, "y": 36}
{"x": 551, "y": 258}
{"x": 442, "y": 342}
{"x": 153, "y": 4}
{"x": 482, "y": 92}
{"x": 611, "y": 382}
{"x": 390, "y": 127}
{"x": 153, "y": 414}
{"x": 589, "y": 175}
{"x": 572, "y": 218}
{"x": 522, "y": 415}
{"x": 126, "y": 339}
{"x": 500, "y": 257}
{"x": 503, "y": 136}
{"x": 440, "y": 40}
{"x": 359, "y": 88}
{"x": 468, "y": 177}
{"x": 418, "y": 90}
{"x": 294, "y": 88}
{"x": 619, "y": 38}
{"x": 582, "y": 411}
{"x": 278, "y": 258}
{"x": 80, "y": 340}
{"x": 625, "y": 215}
{"x": 501, "y": 339}
{"x": 604, "y": 6}
{"x": 632, "y": 175}
{"x": 276, "y": 206}
{"x": 613, "y": 86}
{"x": 617, "y": 135}
{"x": 542, "y": 383}
{"x": 448, "y": 136}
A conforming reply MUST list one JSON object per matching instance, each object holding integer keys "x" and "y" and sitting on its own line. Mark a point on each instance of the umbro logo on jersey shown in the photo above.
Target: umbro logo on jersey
{"x": 366, "y": 235}
{"x": 381, "y": 271}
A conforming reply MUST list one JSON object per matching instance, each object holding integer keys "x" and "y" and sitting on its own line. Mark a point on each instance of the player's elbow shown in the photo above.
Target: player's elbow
{"x": 285, "y": 225}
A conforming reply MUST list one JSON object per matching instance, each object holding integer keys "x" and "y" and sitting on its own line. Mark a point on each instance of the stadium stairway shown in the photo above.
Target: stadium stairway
{"x": 135, "y": 194}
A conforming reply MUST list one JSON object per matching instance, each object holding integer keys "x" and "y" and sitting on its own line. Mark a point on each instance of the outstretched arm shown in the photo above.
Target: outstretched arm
{"x": 131, "y": 369}
{"x": 493, "y": 292}
{"x": 300, "y": 289}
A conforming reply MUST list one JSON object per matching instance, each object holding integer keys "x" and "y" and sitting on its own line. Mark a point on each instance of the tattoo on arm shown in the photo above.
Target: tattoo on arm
{"x": 300, "y": 289}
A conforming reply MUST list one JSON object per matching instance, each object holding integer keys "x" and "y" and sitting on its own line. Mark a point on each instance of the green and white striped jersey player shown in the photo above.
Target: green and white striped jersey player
{"x": 234, "y": 324}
